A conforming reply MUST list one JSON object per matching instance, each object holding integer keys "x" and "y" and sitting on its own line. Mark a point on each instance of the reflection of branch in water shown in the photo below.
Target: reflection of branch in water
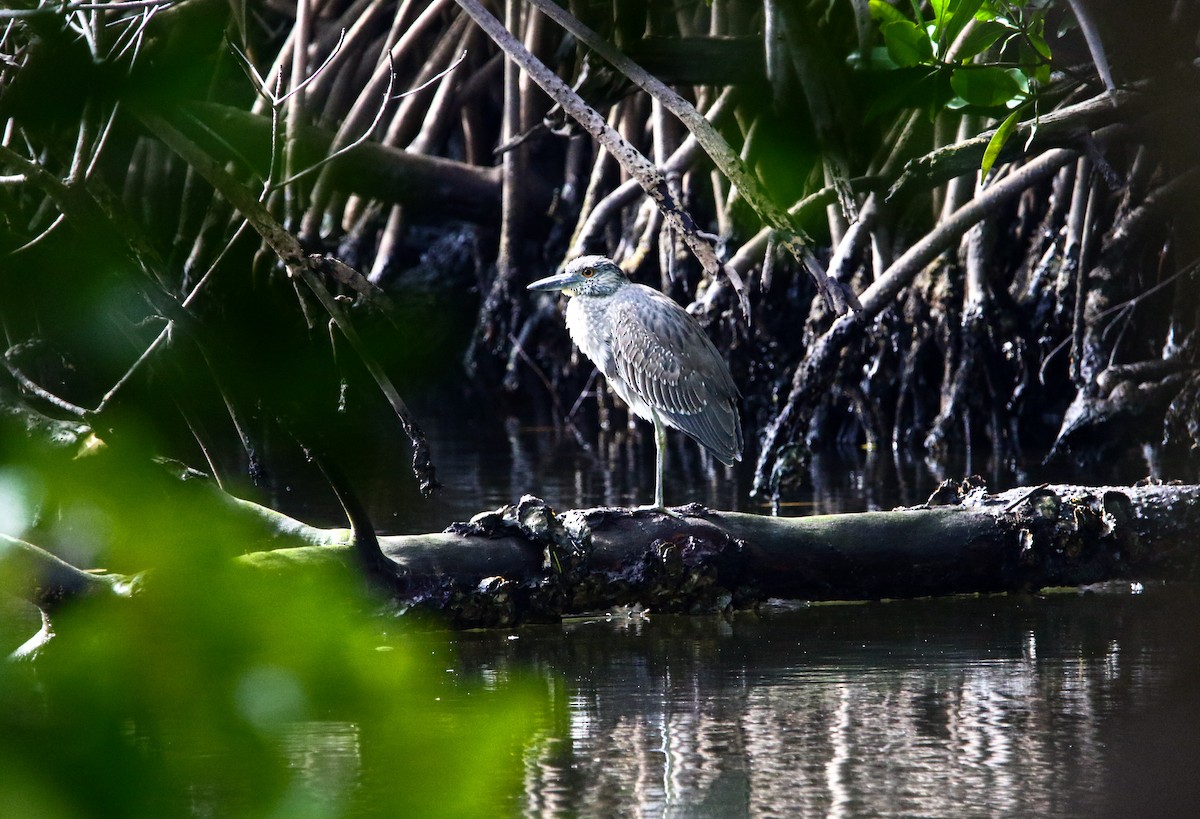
{"x": 1002, "y": 706}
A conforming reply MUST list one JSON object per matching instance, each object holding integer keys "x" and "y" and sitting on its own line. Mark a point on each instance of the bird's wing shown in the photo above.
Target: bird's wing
{"x": 667, "y": 361}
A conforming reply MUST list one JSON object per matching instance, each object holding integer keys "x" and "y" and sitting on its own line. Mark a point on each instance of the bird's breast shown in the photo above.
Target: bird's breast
{"x": 589, "y": 322}
{"x": 588, "y": 325}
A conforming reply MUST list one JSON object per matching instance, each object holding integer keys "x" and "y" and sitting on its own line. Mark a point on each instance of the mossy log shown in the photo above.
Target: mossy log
{"x": 525, "y": 562}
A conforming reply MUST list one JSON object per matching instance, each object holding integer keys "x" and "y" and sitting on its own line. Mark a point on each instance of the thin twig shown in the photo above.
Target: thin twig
{"x": 101, "y": 139}
{"x": 303, "y": 84}
{"x": 682, "y": 159}
{"x": 1025, "y": 496}
{"x": 401, "y": 38}
{"x": 58, "y": 220}
{"x": 366, "y": 134}
{"x": 300, "y": 268}
{"x": 138, "y": 29}
{"x": 33, "y": 387}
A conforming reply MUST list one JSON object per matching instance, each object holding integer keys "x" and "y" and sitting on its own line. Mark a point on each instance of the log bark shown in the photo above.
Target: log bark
{"x": 525, "y": 562}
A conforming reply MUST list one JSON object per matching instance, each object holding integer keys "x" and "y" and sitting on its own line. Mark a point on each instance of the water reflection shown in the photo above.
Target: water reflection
{"x": 967, "y": 707}
{"x": 326, "y": 756}
{"x": 487, "y": 456}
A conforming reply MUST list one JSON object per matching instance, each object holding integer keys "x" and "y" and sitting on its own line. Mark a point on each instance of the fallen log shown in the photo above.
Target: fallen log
{"x": 525, "y": 562}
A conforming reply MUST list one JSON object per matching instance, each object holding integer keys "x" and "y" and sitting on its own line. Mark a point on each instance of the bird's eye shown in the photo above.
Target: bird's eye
{"x": 591, "y": 271}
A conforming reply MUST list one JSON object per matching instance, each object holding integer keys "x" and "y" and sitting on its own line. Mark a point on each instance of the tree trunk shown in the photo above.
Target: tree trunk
{"x": 525, "y": 562}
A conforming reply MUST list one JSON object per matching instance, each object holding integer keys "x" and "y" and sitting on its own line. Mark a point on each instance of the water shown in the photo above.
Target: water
{"x": 1065, "y": 704}
{"x": 1057, "y": 705}
{"x": 964, "y": 707}
{"x": 1062, "y": 704}
{"x": 486, "y": 458}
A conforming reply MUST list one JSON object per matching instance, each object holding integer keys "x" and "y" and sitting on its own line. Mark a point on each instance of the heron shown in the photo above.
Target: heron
{"x": 654, "y": 355}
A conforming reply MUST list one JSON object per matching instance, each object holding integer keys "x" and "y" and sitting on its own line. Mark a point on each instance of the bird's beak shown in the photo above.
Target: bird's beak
{"x": 559, "y": 281}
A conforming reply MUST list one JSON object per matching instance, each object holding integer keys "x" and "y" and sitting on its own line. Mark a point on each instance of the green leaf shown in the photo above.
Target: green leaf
{"x": 996, "y": 143}
{"x": 980, "y": 38}
{"x": 907, "y": 44}
{"x": 1034, "y": 56}
{"x": 985, "y": 87}
{"x": 873, "y": 59}
{"x": 1018, "y": 76}
{"x": 1039, "y": 45}
{"x": 955, "y": 15}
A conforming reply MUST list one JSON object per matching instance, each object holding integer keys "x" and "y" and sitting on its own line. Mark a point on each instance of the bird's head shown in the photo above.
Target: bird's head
{"x": 586, "y": 276}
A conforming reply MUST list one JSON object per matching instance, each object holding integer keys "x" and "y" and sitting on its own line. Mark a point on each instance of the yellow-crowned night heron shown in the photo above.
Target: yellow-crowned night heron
{"x": 654, "y": 355}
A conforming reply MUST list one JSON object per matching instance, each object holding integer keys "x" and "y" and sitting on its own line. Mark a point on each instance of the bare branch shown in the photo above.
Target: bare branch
{"x": 649, "y": 177}
{"x": 838, "y": 297}
{"x": 679, "y": 161}
{"x": 300, "y": 267}
{"x": 350, "y": 146}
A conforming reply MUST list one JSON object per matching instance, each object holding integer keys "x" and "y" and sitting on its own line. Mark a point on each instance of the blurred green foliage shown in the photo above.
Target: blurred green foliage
{"x": 221, "y": 690}
{"x": 218, "y": 689}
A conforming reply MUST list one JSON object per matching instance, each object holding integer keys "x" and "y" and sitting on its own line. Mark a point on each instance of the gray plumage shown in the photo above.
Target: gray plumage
{"x": 654, "y": 355}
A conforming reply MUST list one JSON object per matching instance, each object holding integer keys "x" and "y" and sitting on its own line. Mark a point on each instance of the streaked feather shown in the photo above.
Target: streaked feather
{"x": 661, "y": 358}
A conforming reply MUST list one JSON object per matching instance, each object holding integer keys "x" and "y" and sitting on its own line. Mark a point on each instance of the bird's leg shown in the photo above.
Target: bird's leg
{"x": 660, "y": 447}
{"x": 660, "y": 450}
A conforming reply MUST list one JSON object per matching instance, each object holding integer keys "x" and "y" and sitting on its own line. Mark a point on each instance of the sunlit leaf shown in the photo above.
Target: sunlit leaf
{"x": 1034, "y": 56}
{"x": 953, "y": 16}
{"x": 996, "y": 143}
{"x": 883, "y": 12}
{"x": 1038, "y": 43}
{"x": 989, "y": 11}
{"x": 1018, "y": 76}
